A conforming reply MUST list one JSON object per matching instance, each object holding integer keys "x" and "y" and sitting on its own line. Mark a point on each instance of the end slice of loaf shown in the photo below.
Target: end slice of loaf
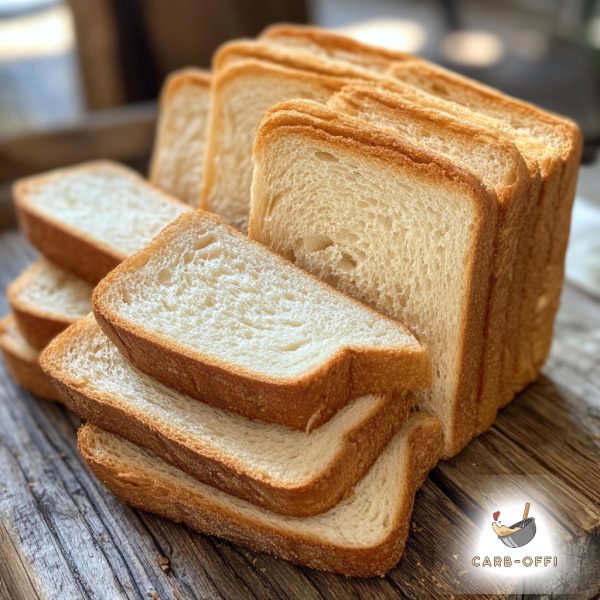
{"x": 22, "y": 361}
{"x": 362, "y": 536}
{"x": 498, "y": 165}
{"x": 286, "y": 471}
{"x": 224, "y": 320}
{"x": 390, "y": 224}
{"x": 45, "y": 300}
{"x": 88, "y": 218}
{"x": 242, "y": 93}
{"x": 178, "y": 154}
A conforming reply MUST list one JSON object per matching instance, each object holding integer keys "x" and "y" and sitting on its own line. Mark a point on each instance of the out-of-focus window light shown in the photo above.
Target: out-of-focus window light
{"x": 393, "y": 34}
{"x": 473, "y": 48}
{"x": 594, "y": 32}
{"x": 49, "y": 32}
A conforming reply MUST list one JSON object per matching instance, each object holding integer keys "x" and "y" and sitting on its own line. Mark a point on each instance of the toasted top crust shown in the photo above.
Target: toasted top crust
{"x": 352, "y": 99}
{"x": 334, "y": 45}
{"x": 239, "y": 50}
{"x": 560, "y": 135}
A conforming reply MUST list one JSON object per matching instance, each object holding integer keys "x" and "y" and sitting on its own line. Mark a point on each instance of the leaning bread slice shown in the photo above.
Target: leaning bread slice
{"x": 242, "y": 93}
{"x": 286, "y": 471}
{"x": 364, "y": 535}
{"x": 178, "y": 154}
{"x": 502, "y": 170}
{"x": 88, "y": 218}
{"x": 553, "y": 144}
{"x": 389, "y": 224}
{"x": 330, "y": 45}
{"x": 22, "y": 361}
{"x": 45, "y": 300}
{"x": 224, "y": 320}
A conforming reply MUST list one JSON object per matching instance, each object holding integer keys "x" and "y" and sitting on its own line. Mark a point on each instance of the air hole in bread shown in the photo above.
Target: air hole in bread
{"x": 292, "y": 323}
{"x": 325, "y": 156}
{"x": 203, "y": 242}
{"x": 164, "y": 276}
{"x": 346, "y": 263}
{"x": 438, "y": 88}
{"x": 125, "y": 295}
{"x": 292, "y": 346}
{"x": 313, "y": 243}
{"x": 209, "y": 301}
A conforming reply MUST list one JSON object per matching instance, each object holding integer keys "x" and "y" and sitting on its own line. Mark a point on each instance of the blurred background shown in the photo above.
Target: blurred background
{"x": 79, "y": 78}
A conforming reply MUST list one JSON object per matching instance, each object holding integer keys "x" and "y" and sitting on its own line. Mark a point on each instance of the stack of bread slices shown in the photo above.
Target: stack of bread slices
{"x": 297, "y": 408}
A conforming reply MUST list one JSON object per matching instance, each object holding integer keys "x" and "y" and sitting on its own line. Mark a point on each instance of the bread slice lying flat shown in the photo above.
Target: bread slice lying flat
{"x": 289, "y": 472}
{"x": 87, "y": 219}
{"x": 329, "y": 45}
{"x": 178, "y": 154}
{"x": 364, "y": 535}
{"x": 552, "y": 146}
{"x": 387, "y": 223}
{"x": 502, "y": 170}
{"x": 45, "y": 300}
{"x": 224, "y": 320}
{"x": 22, "y": 361}
{"x": 242, "y": 93}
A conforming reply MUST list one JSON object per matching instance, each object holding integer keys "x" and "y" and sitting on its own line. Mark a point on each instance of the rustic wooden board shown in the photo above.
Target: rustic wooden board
{"x": 63, "y": 536}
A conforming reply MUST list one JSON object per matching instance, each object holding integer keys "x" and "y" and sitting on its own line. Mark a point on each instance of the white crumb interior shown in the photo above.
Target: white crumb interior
{"x": 106, "y": 205}
{"x": 91, "y": 362}
{"x": 378, "y": 233}
{"x": 44, "y": 286}
{"x": 361, "y": 520}
{"x": 177, "y": 166}
{"x": 212, "y": 291}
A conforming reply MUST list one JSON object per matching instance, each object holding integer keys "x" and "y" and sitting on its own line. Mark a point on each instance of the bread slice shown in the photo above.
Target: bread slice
{"x": 389, "y": 224}
{"x": 22, "y": 361}
{"x": 497, "y": 164}
{"x": 45, "y": 300}
{"x": 87, "y": 219}
{"x": 220, "y": 318}
{"x": 553, "y": 145}
{"x": 242, "y": 93}
{"x": 178, "y": 154}
{"x": 326, "y": 44}
{"x": 289, "y": 472}
{"x": 362, "y": 536}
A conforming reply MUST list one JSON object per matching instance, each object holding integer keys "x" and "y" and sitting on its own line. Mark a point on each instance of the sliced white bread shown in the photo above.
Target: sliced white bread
{"x": 552, "y": 145}
{"x": 22, "y": 361}
{"x": 242, "y": 92}
{"x": 46, "y": 299}
{"x": 224, "y": 320}
{"x": 326, "y": 44}
{"x": 87, "y": 219}
{"x": 286, "y": 471}
{"x": 364, "y": 535}
{"x": 389, "y": 224}
{"x": 502, "y": 170}
{"x": 178, "y": 155}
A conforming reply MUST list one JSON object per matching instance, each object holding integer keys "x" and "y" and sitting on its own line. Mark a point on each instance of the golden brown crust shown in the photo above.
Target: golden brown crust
{"x": 358, "y": 450}
{"x": 374, "y": 57}
{"x": 318, "y": 122}
{"x": 155, "y": 493}
{"x": 37, "y": 325}
{"x": 25, "y": 368}
{"x": 66, "y": 246}
{"x": 302, "y": 403}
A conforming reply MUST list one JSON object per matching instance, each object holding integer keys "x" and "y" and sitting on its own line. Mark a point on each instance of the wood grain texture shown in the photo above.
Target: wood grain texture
{"x": 63, "y": 536}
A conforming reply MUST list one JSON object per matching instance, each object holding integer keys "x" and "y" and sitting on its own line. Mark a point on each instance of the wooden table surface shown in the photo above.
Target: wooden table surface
{"x": 62, "y": 535}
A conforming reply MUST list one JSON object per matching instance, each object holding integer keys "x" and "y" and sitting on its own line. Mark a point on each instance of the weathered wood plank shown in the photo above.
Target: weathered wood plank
{"x": 62, "y": 535}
